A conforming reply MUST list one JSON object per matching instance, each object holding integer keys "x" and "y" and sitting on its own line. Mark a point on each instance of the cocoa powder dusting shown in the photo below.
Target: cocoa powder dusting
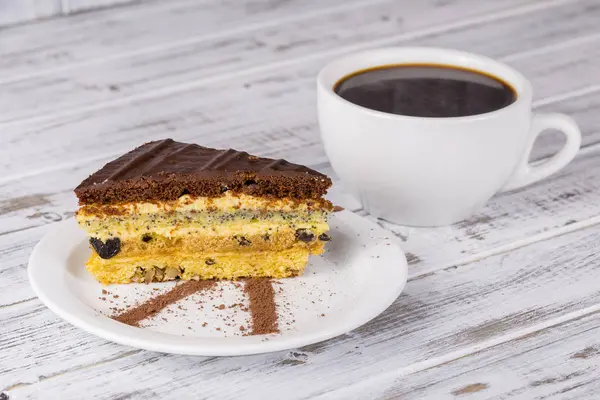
{"x": 262, "y": 306}
{"x": 154, "y": 305}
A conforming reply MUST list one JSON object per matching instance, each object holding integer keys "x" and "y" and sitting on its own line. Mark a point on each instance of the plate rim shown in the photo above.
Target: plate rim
{"x": 86, "y": 318}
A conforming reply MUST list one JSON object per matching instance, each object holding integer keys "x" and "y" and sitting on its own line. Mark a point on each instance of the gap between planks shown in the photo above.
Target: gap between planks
{"x": 546, "y": 235}
{"x": 579, "y": 40}
{"x": 18, "y": 302}
{"x": 188, "y": 85}
{"x": 67, "y": 10}
{"x": 65, "y": 372}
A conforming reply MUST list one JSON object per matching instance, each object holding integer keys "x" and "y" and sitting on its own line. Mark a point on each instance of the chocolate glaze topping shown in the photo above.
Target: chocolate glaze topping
{"x": 165, "y": 170}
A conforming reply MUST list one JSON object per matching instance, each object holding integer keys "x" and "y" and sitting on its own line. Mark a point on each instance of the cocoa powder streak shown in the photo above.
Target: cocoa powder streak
{"x": 154, "y": 305}
{"x": 262, "y": 306}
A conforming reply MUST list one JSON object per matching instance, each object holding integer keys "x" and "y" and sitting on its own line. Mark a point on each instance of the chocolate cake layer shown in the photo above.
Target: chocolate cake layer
{"x": 166, "y": 170}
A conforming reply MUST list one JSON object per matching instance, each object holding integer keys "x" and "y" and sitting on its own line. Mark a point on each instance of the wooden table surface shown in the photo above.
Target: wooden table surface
{"x": 504, "y": 305}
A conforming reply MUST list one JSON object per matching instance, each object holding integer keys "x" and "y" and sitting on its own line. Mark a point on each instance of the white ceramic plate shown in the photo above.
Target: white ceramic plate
{"x": 360, "y": 275}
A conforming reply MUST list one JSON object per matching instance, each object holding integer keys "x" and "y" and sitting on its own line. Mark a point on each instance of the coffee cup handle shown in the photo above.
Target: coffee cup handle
{"x": 527, "y": 173}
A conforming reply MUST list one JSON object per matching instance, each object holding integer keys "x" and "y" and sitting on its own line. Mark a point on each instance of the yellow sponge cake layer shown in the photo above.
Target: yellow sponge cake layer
{"x": 188, "y": 266}
{"x": 279, "y": 238}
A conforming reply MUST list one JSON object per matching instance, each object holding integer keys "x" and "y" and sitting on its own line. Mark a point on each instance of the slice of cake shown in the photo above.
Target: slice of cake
{"x": 170, "y": 210}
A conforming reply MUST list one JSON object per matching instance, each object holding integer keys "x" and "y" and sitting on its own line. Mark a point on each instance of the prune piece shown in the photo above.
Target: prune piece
{"x": 305, "y": 235}
{"x": 209, "y": 261}
{"x": 323, "y": 237}
{"x": 146, "y": 238}
{"x": 106, "y": 250}
{"x": 242, "y": 241}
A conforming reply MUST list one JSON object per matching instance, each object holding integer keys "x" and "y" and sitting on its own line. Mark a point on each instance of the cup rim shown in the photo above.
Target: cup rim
{"x": 517, "y": 81}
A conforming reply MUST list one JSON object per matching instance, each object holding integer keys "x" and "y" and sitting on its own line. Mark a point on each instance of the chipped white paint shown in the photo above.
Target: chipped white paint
{"x": 503, "y": 305}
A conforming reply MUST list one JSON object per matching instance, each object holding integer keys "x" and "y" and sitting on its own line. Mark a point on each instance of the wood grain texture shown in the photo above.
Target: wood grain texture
{"x": 560, "y": 362}
{"x": 93, "y": 37}
{"x": 503, "y": 305}
{"x": 148, "y": 27}
{"x": 441, "y": 317}
{"x": 234, "y": 54}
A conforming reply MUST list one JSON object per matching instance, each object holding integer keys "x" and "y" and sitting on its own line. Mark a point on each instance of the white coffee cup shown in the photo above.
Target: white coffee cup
{"x": 434, "y": 171}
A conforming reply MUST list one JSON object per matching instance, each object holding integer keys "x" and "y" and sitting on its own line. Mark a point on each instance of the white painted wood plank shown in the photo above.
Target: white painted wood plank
{"x": 557, "y": 363}
{"x": 37, "y": 337}
{"x": 453, "y": 311}
{"x": 382, "y": 23}
{"x": 14, "y": 253}
{"x": 120, "y": 32}
{"x": 212, "y": 113}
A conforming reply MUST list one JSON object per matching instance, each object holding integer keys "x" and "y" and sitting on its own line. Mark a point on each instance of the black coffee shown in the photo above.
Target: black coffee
{"x": 426, "y": 91}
